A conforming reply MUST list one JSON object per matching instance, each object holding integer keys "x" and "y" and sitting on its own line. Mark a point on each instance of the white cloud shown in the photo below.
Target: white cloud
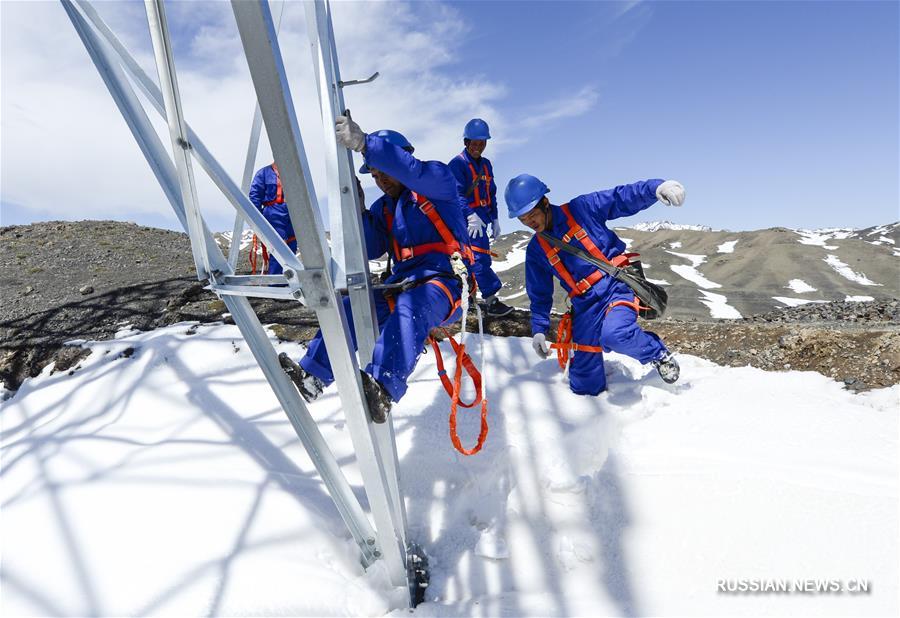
{"x": 66, "y": 149}
{"x": 566, "y": 106}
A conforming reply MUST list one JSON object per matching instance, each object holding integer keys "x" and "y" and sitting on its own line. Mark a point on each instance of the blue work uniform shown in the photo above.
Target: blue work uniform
{"x": 419, "y": 309}
{"x": 593, "y": 324}
{"x": 266, "y": 195}
{"x": 482, "y": 200}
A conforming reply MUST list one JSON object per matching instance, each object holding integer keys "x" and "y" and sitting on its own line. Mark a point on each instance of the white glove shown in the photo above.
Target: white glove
{"x": 349, "y": 135}
{"x": 495, "y": 229}
{"x": 476, "y": 226}
{"x": 540, "y": 345}
{"x": 670, "y": 193}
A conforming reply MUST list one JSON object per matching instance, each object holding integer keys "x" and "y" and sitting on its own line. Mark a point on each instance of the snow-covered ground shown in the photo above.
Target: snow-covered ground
{"x": 727, "y": 246}
{"x": 168, "y": 481}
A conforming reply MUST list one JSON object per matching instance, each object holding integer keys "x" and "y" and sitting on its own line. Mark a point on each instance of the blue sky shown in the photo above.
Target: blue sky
{"x": 770, "y": 113}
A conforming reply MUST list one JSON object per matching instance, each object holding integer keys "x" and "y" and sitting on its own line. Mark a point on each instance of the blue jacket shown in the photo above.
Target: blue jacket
{"x": 410, "y": 226}
{"x": 264, "y": 188}
{"x": 459, "y": 165}
{"x": 591, "y": 211}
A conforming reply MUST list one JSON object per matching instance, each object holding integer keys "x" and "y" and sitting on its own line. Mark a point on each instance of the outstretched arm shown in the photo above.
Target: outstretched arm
{"x": 622, "y": 201}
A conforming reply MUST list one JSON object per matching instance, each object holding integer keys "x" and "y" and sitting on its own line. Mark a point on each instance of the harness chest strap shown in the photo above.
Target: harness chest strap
{"x": 279, "y": 192}
{"x": 476, "y": 177}
{"x": 577, "y": 232}
{"x": 448, "y": 245}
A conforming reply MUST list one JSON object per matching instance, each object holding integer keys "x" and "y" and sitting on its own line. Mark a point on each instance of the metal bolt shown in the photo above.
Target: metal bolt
{"x": 345, "y": 189}
{"x": 323, "y": 301}
{"x": 317, "y": 277}
{"x": 289, "y": 274}
{"x": 370, "y": 541}
{"x": 376, "y": 553}
{"x": 297, "y": 294}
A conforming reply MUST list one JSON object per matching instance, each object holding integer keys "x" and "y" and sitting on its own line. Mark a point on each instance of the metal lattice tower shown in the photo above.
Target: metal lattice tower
{"x": 324, "y": 273}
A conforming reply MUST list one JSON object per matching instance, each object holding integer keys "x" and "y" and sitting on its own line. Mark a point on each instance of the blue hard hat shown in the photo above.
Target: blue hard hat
{"x": 391, "y": 137}
{"x": 523, "y": 193}
{"x": 476, "y": 129}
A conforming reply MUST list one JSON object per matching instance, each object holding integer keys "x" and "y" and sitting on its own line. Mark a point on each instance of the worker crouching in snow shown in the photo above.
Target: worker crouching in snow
{"x": 475, "y": 175}
{"x": 418, "y": 222}
{"x": 268, "y": 197}
{"x": 604, "y": 310}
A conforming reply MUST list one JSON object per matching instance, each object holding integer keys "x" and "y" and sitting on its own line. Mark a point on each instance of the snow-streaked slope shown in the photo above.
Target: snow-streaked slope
{"x": 169, "y": 482}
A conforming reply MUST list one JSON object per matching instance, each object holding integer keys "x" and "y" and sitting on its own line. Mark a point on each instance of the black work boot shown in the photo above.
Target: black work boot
{"x": 495, "y": 308}
{"x": 310, "y": 386}
{"x": 668, "y": 368}
{"x": 377, "y": 398}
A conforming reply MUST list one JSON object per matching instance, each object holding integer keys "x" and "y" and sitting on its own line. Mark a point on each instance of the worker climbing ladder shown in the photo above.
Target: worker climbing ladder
{"x": 316, "y": 283}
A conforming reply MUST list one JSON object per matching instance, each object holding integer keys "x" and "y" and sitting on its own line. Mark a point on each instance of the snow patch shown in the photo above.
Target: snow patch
{"x": 796, "y": 302}
{"x": 800, "y": 286}
{"x": 859, "y": 299}
{"x": 690, "y": 272}
{"x": 846, "y": 272}
{"x": 675, "y": 245}
{"x": 727, "y": 246}
{"x": 514, "y": 257}
{"x": 719, "y": 307}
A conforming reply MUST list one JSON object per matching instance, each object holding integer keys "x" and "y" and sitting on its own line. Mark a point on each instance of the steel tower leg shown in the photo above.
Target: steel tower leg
{"x": 263, "y": 53}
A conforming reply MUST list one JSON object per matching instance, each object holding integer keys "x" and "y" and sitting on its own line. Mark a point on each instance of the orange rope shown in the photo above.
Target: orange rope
{"x": 564, "y": 345}
{"x": 454, "y": 389}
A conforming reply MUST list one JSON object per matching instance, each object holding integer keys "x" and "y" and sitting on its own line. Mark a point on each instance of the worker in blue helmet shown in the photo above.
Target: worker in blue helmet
{"x": 267, "y": 195}
{"x": 604, "y": 310}
{"x": 418, "y": 222}
{"x": 475, "y": 176}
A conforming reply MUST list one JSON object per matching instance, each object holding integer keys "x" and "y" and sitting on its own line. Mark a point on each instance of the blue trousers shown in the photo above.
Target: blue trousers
{"x": 617, "y": 331}
{"x": 278, "y": 216}
{"x": 403, "y": 332}
{"x": 488, "y": 281}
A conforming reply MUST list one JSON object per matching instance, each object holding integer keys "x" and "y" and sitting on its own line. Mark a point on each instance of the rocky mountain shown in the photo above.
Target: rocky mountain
{"x": 720, "y": 274}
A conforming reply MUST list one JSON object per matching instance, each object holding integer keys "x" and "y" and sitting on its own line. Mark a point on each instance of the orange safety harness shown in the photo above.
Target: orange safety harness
{"x": 477, "y": 201}
{"x": 564, "y": 345}
{"x": 257, "y": 244}
{"x": 448, "y": 244}
{"x": 487, "y": 251}
{"x": 463, "y": 360}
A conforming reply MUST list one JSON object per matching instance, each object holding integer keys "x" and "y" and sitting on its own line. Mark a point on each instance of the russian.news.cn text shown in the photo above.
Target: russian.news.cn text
{"x": 794, "y": 586}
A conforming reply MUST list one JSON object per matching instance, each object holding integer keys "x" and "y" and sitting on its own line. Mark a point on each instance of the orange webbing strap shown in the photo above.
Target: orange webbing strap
{"x": 389, "y": 220}
{"x": 256, "y": 246}
{"x": 488, "y": 251}
{"x": 443, "y": 231}
{"x": 564, "y": 345}
{"x": 254, "y": 249}
{"x": 463, "y": 360}
{"x": 634, "y": 304}
{"x": 478, "y": 202}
